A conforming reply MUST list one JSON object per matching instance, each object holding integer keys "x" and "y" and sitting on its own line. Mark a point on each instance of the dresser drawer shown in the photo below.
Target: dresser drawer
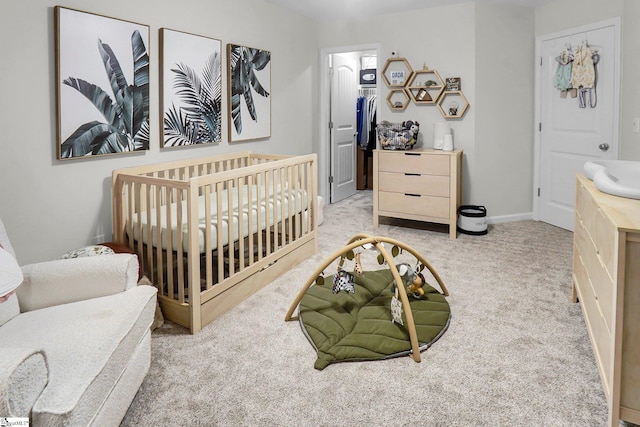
{"x": 601, "y": 283}
{"x": 427, "y": 206}
{"x": 600, "y": 336}
{"x": 427, "y": 185}
{"x": 414, "y": 162}
{"x": 604, "y": 236}
{"x": 586, "y": 207}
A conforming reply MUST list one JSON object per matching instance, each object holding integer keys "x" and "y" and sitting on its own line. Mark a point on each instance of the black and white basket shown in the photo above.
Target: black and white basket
{"x": 472, "y": 220}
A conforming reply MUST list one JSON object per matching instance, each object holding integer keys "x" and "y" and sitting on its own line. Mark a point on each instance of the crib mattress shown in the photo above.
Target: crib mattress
{"x": 155, "y": 226}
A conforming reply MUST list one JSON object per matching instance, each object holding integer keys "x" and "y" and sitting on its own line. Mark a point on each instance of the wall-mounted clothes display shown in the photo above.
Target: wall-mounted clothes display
{"x": 576, "y": 74}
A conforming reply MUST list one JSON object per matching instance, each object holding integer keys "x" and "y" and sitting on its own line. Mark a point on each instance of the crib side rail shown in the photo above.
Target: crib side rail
{"x": 274, "y": 204}
{"x": 149, "y": 217}
{"x": 188, "y": 168}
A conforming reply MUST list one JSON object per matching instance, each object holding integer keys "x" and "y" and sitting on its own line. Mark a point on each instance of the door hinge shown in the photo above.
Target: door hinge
{"x": 541, "y": 61}
{"x": 540, "y": 127}
{"x": 330, "y": 70}
{"x": 331, "y": 180}
{"x": 538, "y": 191}
{"x": 330, "y": 125}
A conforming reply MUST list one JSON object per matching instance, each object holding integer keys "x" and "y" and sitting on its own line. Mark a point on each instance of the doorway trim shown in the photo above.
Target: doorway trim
{"x": 324, "y": 155}
{"x": 616, "y": 23}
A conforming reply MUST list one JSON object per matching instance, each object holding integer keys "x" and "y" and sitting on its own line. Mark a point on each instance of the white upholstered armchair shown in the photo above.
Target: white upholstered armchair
{"x": 75, "y": 339}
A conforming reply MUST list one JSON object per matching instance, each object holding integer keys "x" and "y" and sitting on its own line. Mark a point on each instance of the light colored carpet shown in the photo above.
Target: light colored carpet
{"x": 516, "y": 353}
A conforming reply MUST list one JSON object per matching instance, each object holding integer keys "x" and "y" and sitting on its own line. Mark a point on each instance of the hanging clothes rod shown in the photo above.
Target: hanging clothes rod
{"x": 367, "y": 91}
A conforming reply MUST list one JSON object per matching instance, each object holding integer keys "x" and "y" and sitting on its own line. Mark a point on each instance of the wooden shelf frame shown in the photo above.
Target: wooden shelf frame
{"x": 396, "y": 63}
{"x": 462, "y": 108}
{"x": 418, "y": 90}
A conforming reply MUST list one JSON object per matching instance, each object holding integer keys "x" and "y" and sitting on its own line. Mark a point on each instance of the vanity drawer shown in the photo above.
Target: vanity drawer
{"x": 414, "y": 204}
{"x": 585, "y": 206}
{"x": 414, "y": 162}
{"x": 604, "y": 237}
{"x": 599, "y": 279}
{"x": 600, "y": 336}
{"x": 427, "y": 185}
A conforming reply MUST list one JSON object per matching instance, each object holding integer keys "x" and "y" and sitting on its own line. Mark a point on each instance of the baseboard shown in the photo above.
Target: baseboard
{"x": 510, "y": 218}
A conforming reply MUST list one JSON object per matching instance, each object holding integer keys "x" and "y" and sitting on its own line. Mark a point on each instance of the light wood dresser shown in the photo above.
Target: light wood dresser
{"x": 421, "y": 184}
{"x": 606, "y": 281}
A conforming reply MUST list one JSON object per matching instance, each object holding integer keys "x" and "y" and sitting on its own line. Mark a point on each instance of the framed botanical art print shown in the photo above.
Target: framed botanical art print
{"x": 102, "y": 83}
{"x": 191, "y": 91}
{"x": 249, "y": 93}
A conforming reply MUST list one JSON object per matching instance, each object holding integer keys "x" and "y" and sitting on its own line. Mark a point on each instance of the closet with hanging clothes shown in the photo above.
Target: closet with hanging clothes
{"x": 366, "y": 106}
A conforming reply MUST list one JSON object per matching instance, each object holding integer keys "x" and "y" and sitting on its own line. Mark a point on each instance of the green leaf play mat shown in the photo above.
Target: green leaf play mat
{"x": 358, "y": 326}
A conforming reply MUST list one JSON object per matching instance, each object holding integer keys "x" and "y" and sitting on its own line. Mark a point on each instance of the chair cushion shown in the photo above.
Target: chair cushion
{"x": 10, "y": 279}
{"x": 88, "y": 346}
{"x": 25, "y": 374}
{"x": 4, "y": 240}
{"x": 9, "y": 309}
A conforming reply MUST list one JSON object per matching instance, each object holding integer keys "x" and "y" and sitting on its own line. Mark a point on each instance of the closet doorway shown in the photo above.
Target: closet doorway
{"x": 349, "y": 110}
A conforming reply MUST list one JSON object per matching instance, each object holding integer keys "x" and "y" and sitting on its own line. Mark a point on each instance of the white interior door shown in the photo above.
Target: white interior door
{"x": 570, "y": 135}
{"x": 344, "y": 93}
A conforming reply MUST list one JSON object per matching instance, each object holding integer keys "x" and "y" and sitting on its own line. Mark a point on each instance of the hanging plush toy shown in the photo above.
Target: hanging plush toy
{"x": 343, "y": 281}
{"x": 414, "y": 282}
{"x": 357, "y": 268}
{"x": 416, "y": 288}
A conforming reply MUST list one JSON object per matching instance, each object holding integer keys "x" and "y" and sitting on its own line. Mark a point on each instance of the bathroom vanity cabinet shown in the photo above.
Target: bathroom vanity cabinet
{"x": 420, "y": 184}
{"x": 606, "y": 281}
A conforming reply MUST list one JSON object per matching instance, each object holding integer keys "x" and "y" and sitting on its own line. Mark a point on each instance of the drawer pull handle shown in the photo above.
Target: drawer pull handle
{"x": 411, "y": 195}
{"x": 411, "y": 174}
{"x": 411, "y": 154}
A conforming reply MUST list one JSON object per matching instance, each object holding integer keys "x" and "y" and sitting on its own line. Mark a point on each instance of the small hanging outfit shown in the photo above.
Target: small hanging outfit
{"x": 563, "y": 73}
{"x": 583, "y": 75}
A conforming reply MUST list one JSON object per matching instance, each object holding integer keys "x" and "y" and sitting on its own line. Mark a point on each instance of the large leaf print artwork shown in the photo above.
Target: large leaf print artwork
{"x": 103, "y": 85}
{"x": 191, "y": 89}
{"x": 249, "y": 93}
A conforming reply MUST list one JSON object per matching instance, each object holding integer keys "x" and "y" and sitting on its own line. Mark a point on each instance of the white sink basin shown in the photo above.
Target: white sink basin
{"x": 617, "y": 177}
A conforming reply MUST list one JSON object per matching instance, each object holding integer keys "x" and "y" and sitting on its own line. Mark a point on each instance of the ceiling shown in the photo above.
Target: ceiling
{"x": 324, "y": 10}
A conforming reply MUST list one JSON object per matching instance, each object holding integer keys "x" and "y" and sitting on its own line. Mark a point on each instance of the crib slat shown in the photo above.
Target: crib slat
{"x": 230, "y": 228}
{"x": 277, "y": 214}
{"x": 250, "y": 217}
{"x": 269, "y": 210}
{"x": 168, "y": 231}
{"x": 284, "y": 204}
{"x": 290, "y": 202}
{"x": 207, "y": 236}
{"x": 219, "y": 230}
{"x": 239, "y": 189}
{"x": 159, "y": 278}
{"x": 259, "y": 203}
{"x": 179, "y": 200}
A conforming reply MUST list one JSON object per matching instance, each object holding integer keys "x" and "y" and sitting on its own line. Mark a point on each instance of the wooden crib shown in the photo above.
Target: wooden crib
{"x": 209, "y": 232}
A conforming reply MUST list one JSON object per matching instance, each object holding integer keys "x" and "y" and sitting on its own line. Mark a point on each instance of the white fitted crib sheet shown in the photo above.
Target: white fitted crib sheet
{"x": 251, "y": 207}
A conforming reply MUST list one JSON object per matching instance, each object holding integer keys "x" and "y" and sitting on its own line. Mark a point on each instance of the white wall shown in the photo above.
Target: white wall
{"x": 504, "y": 136}
{"x": 561, "y": 15}
{"x": 443, "y": 39}
{"x": 51, "y": 206}
{"x": 490, "y": 48}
